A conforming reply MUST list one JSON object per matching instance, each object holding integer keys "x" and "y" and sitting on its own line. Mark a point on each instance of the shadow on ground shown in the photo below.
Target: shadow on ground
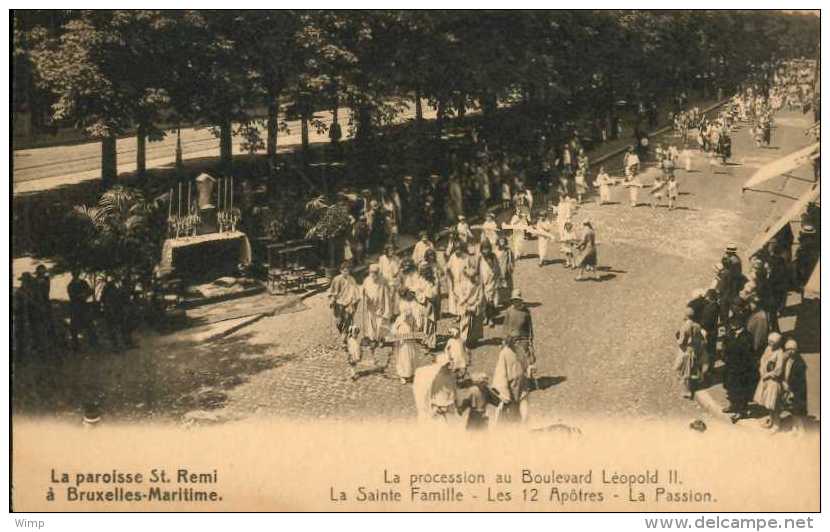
{"x": 141, "y": 383}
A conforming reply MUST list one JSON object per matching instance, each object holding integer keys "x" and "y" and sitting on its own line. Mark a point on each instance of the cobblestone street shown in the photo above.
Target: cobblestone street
{"x": 605, "y": 347}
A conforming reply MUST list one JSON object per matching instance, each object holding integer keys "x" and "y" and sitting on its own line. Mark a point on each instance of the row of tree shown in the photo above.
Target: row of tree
{"x": 113, "y": 73}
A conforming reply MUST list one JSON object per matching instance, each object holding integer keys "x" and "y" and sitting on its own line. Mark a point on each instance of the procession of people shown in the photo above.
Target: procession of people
{"x": 733, "y": 324}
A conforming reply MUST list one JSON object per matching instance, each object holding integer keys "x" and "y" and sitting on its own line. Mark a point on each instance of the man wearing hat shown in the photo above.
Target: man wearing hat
{"x": 732, "y": 260}
{"x": 518, "y": 324}
{"x": 739, "y": 369}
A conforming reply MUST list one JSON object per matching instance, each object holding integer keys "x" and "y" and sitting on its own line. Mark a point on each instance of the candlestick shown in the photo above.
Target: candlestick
{"x": 179, "y": 212}
{"x": 231, "y": 192}
{"x": 189, "y": 183}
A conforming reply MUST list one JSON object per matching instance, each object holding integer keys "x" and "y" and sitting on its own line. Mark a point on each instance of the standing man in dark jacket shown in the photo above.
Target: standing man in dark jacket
{"x": 709, "y": 319}
{"x": 739, "y": 371}
{"x": 43, "y": 285}
{"x": 115, "y": 306}
{"x": 518, "y": 324}
{"x": 80, "y": 319}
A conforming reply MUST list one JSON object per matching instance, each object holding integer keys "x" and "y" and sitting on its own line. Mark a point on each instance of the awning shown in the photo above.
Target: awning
{"x": 812, "y": 289}
{"x": 785, "y": 164}
{"x": 793, "y": 213}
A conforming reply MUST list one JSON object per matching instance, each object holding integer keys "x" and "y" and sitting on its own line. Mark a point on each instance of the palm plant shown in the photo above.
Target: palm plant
{"x": 122, "y": 234}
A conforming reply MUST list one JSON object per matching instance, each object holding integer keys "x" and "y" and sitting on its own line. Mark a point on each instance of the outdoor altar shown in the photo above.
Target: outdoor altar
{"x": 203, "y": 242}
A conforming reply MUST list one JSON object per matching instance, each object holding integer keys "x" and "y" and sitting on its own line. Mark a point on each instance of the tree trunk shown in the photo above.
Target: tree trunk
{"x": 109, "y": 160}
{"x": 460, "y": 106}
{"x": 441, "y": 114}
{"x": 141, "y": 150}
{"x": 364, "y": 122}
{"x": 273, "y": 126}
{"x": 304, "y": 133}
{"x": 225, "y": 144}
{"x": 419, "y": 109}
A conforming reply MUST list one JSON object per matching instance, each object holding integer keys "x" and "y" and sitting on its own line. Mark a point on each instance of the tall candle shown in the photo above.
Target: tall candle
{"x": 231, "y": 192}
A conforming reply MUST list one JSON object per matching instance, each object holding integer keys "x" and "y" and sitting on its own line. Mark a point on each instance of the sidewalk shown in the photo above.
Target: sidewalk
{"x": 801, "y": 318}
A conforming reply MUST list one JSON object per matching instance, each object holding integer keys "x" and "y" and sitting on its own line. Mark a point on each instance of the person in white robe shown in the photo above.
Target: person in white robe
{"x": 568, "y": 240}
{"x": 427, "y": 296}
{"x": 376, "y": 308}
{"x": 434, "y": 389}
{"x": 544, "y": 235}
{"x": 390, "y": 271}
{"x": 406, "y": 349}
{"x": 462, "y": 229}
{"x": 421, "y": 247}
{"x": 519, "y": 223}
{"x": 454, "y": 271}
{"x": 604, "y": 182}
{"x": 490, "y": 228}
{"x": 490, "y": 277}
{"x": 633, "y": 184}
{"x": 458, "y": 354}
{"x": 504, "y": 256}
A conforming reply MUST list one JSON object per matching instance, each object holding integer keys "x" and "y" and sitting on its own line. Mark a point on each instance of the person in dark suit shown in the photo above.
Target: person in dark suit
{"x": 80, "y": 319}
{"x": 709, "y": 320}
{"x": 739, "y": 371}
{"x": 115, "y": 307}
{"x": 410, "y": 213}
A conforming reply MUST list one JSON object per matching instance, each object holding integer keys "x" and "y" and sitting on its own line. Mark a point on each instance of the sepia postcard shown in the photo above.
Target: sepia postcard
{"x": 393, "y": 260}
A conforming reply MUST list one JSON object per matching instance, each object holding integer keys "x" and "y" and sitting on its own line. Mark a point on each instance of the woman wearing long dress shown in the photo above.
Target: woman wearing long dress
{"x": 490, "y": 281}
{"x": 405, "y": 349}
{"x": 519, "y": 223}
{"x": 504, "y": 256}
{"x": 454, "y": 273}
{"x": 567, "y": 239}
{"x": 604, "y": 183}
{"x": 426, "y": 293}
{"x": 544, "y": 235}
{"x": 587, "y": 250}
{"x": 470, "y": 301}
{"x": 771, "y": 375}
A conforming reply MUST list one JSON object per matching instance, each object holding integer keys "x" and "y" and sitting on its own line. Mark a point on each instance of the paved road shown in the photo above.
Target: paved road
{"x": 42, "y": 168}
{"x": 605, "y": 348}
